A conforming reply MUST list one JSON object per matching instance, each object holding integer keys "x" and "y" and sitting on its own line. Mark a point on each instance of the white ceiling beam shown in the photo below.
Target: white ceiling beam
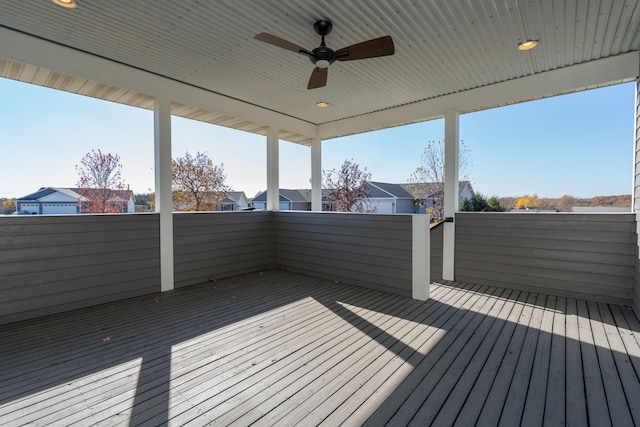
{"x": 31, "y": 50}
{"x": 615, "y": 69}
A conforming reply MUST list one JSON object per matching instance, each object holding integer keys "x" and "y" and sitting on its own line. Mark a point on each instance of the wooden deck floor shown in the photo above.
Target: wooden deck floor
{"x": 277, "y": 348}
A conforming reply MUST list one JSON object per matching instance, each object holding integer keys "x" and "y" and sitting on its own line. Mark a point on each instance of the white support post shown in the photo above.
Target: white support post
{"x": 421, "y": 257}
{"x": 316, "y": 175}
{"x": 451, "y": 190}
{"x": 273, "y": 172}
{"x": 162, "y": 153}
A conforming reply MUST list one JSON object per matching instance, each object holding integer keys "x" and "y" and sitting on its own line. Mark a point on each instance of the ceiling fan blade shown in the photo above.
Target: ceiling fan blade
{"x": 374, "y": 48}
{"x": 318, "y": 78}
{"x": 284, "y": 44}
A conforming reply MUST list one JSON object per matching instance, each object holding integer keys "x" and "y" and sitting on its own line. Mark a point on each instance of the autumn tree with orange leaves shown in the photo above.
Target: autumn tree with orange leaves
{"x": 528, "y": 202}
{"x": 198, "y": 183}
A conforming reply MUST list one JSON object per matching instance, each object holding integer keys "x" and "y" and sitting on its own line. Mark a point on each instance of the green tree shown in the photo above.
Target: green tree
{"x": 479, "y": 203}
{"x": 466, "y": 205}
{"x": 495, "y": 205}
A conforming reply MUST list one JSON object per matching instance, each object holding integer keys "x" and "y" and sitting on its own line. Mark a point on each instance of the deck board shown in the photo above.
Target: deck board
{"x": 597, "y": 409}
{"x": 554, "y": 410}
{"x": 533, "y": 412}
{"x": 278, "y": 348}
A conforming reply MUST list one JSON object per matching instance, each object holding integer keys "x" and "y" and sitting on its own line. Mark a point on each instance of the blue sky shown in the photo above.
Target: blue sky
{"x": 579, "y": 144}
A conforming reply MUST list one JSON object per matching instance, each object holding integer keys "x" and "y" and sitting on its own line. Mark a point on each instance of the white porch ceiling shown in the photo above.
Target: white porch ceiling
{"x": 449, "y": 54}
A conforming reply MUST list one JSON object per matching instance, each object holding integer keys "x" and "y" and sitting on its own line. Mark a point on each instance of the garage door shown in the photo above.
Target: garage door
{"x": 59, "y": 208}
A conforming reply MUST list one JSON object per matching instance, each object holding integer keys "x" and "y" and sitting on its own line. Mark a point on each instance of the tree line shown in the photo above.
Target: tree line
{"x": 564, "y": 203}
{"x": 199, "y": 185}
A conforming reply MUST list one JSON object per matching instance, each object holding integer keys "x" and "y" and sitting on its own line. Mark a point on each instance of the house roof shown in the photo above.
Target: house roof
{"x": 417, "y": 188}
{"x": 71, "y": 192}
{"x": 235, "y": 196}
{"x": 203, "y": 57}
{"x": 286, "y": 195}
{"x": 385, "y": 190}
{"x": 42, "y": 192}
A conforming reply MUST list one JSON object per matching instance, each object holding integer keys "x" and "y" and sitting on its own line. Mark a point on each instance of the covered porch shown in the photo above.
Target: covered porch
{"x": 283, "y": 318}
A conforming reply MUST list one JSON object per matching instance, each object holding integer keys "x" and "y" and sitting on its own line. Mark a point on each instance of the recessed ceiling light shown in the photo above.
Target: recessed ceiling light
{"x": 322, "y": 104}
{"x": 69, "y": 4}
{"x": 527, "y": 45}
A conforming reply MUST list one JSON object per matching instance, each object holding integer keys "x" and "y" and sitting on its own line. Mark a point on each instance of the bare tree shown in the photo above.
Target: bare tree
{"x": 347, "y": 187}
{"x": 100, "y": 186}
{"x": 428, "y": 178}
{"x": 198, "y": 184}
{"x": 566, "y": 203}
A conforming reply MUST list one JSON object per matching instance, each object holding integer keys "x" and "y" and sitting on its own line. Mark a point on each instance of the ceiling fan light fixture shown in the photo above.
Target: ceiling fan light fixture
{"x": 527, "y": 45}
{"x": 322, "y": 104}
{"x": 322, "y": 63}
{"x": 69, "y": 4}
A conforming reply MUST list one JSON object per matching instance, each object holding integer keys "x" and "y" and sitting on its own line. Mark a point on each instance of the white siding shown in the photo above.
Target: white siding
{"x": 59, "y": 208}
{"x": 465, "y": 193}
{"x": 29, "y": 207}
{"x": 58, "y": 197}
{"x": 382, "y": 206}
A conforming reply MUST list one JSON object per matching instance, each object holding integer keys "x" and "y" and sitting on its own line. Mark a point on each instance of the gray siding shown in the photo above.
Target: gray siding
{"x": 51, "y": 264}
{"x": 300, "y": 206}
{"x": 405, "y": 206}
{"x": 372, "y": 251}
{"x": 436, "y": 234}
{"x": 636, "y": 281}
{"x": 588, "y": 256}
{"x": 210, "y": 245}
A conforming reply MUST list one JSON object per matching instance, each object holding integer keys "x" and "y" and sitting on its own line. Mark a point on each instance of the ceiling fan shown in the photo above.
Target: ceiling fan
{"x": 323, "y": 56}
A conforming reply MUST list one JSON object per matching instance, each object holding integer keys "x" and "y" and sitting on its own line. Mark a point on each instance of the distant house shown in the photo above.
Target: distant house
{"x": 425, "y": 194}
{"x": 235, "y": 201}
{"x": 384, "y": 198}
{"x": 387, "y": 198}
{"x": 290, "y": 200}
{"x": 65, "y": 201}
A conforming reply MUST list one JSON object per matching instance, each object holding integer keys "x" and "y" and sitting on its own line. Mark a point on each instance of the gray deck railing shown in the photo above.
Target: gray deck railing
{"x": 587, "y": 256}
{"x": 51, "y": 264}
{"x": 367, "y": 250}
{"x": 207, "y": 245}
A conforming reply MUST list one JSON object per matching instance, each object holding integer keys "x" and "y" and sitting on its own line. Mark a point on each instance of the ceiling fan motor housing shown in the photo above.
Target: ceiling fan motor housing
{"x": 322, "y": 56}
{"x": 323, "y": 27}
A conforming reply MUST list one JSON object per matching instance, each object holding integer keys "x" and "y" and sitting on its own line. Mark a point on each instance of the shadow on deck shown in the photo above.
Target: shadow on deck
{"x": 282, "y": 348}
